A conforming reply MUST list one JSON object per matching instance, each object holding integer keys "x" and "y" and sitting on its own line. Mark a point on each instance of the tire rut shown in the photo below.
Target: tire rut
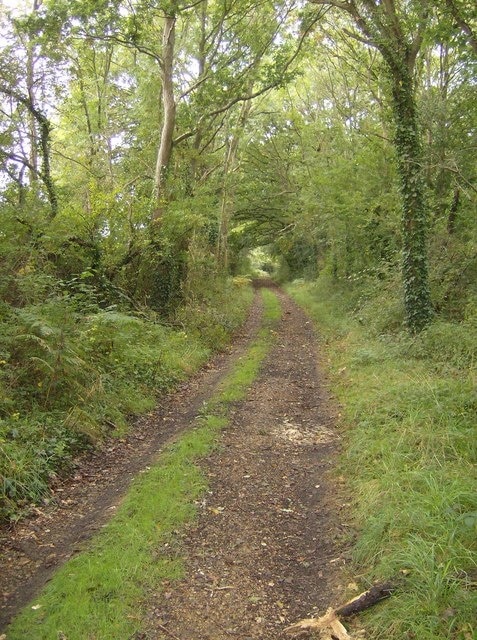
{"x": 34, "y": 548}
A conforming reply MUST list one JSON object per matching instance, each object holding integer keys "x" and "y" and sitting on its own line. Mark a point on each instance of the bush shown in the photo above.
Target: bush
{"x": 71, "y": 373}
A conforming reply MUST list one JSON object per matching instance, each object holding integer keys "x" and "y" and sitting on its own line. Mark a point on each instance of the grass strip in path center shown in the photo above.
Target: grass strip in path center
{"x": 98, "y": 594}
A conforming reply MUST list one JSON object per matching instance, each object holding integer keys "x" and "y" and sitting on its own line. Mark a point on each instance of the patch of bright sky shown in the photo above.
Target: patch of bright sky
{"x": 16, "y": 6}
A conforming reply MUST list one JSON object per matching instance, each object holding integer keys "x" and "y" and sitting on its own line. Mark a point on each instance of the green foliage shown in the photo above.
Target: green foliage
{"x": 409, "y": 405}
{"x": 70, "y": 377}
{"x": 213, "y": 317}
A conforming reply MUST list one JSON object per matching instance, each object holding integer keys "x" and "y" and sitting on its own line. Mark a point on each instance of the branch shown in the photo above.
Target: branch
{"x": 194, "y": 86}
{"x": 15, "y": 158}
{"x": 463, "y": 24}
{"x": 417, "y": 42}
{"x": 461, "y": 177}
{"x": 366, "y": 599}
{"x": 125, "y": 43}
{"x": 330, "y": 621}
{"x": 271, "y": 85}
{"x": 248, "y": 96}
{"x": 345, "y": 6}
{"x": 191, "y": 6}
{"x": 361, "y": 39}
{"x": 81, "y": 164}
{"x": 211, "y": 139}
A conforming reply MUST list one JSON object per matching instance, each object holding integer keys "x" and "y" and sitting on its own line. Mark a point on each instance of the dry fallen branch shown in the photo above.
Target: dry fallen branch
{"x": 329, "y": 625}
{"x": 366, "y": 599}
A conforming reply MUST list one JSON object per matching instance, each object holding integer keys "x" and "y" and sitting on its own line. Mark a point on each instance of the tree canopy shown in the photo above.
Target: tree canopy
{"x": 340, "y": 134}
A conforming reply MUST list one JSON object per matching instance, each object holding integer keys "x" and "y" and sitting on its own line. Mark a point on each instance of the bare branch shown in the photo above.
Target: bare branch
{"x": 345, "y": 6}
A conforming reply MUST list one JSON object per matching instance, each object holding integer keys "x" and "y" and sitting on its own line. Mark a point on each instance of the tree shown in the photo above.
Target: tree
{"x": 397, "y": 30}
{"x": 28, "y": 125}
{"x": 464, "y": 14}
{"x": 44, "y": 126}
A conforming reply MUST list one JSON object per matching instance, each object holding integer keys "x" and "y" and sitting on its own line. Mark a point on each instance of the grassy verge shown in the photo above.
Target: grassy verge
{"x": 410, "y": 408}
{"x": 98, "y": 595}
{"x": 72, "y": 373}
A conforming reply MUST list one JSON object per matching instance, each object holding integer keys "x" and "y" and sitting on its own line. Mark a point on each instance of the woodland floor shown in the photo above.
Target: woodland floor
{"x": 267, "y": 547}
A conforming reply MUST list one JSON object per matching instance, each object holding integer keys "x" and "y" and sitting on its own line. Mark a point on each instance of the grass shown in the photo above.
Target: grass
{"x": 410, "y": 406}
{"x": 100, "y": 594}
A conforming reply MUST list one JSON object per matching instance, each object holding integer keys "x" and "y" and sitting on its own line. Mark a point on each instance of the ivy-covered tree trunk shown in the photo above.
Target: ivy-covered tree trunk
{"x": 415, "y": 211}
{"x": 386, "y": 26}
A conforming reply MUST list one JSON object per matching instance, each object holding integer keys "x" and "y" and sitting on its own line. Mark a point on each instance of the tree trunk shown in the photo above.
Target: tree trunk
{"x": 201, "y": 59}
{"x": 382, "y": 26}
{"x": 415, "y": 212}
{"x": 451, "y": 220}
{"x": 30, "y": 81}
{"x": 228, "y": 189}
{"x": 169, "y": 117}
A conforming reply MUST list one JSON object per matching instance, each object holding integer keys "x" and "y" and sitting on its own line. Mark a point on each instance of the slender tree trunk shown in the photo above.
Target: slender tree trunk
{"x": 415, "y": 211}
{"x": 201, "y": 59}
{"x": 84, "y": 104}
{"x": 226, "y": 206}
{"x": 169, "y": 117}
{"x": 30, "y": 81}
{"x": 228, "y": 190}
{"x": 454, "y": 208}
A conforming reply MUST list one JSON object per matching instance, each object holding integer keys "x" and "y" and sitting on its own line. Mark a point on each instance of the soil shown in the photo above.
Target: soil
{"x": 268, "y": 545}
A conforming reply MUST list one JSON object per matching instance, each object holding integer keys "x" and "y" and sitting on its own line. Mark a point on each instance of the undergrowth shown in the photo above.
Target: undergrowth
{"x": 101, "y": 592}
{"x": 72, "y": 373}
{"x": 409, "y": 405}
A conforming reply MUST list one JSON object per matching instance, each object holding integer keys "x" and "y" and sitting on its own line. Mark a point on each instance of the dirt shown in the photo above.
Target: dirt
{"x": 268, "y": 545}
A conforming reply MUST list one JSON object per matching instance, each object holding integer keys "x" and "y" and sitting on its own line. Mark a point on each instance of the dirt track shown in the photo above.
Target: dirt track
{"x": 266, "y": 548}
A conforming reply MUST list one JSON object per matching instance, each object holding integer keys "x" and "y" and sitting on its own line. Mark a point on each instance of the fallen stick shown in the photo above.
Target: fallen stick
{"x": 330, "y": 626}
{"x": 366, "y": 599}
{"x": 167, "y": 632}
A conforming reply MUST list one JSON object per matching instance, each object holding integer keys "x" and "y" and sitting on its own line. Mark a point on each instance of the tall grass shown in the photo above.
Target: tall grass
{"x": 410, "y": 407}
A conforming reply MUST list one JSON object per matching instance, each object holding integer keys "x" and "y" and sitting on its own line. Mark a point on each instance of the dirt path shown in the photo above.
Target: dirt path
{"x": 266, "y": 550}
{"x": 266, "y": 547}
{"x": 32, "y": 550}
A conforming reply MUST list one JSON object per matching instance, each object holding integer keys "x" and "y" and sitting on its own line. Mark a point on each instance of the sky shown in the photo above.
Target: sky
{"x": 14, "y": 4}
